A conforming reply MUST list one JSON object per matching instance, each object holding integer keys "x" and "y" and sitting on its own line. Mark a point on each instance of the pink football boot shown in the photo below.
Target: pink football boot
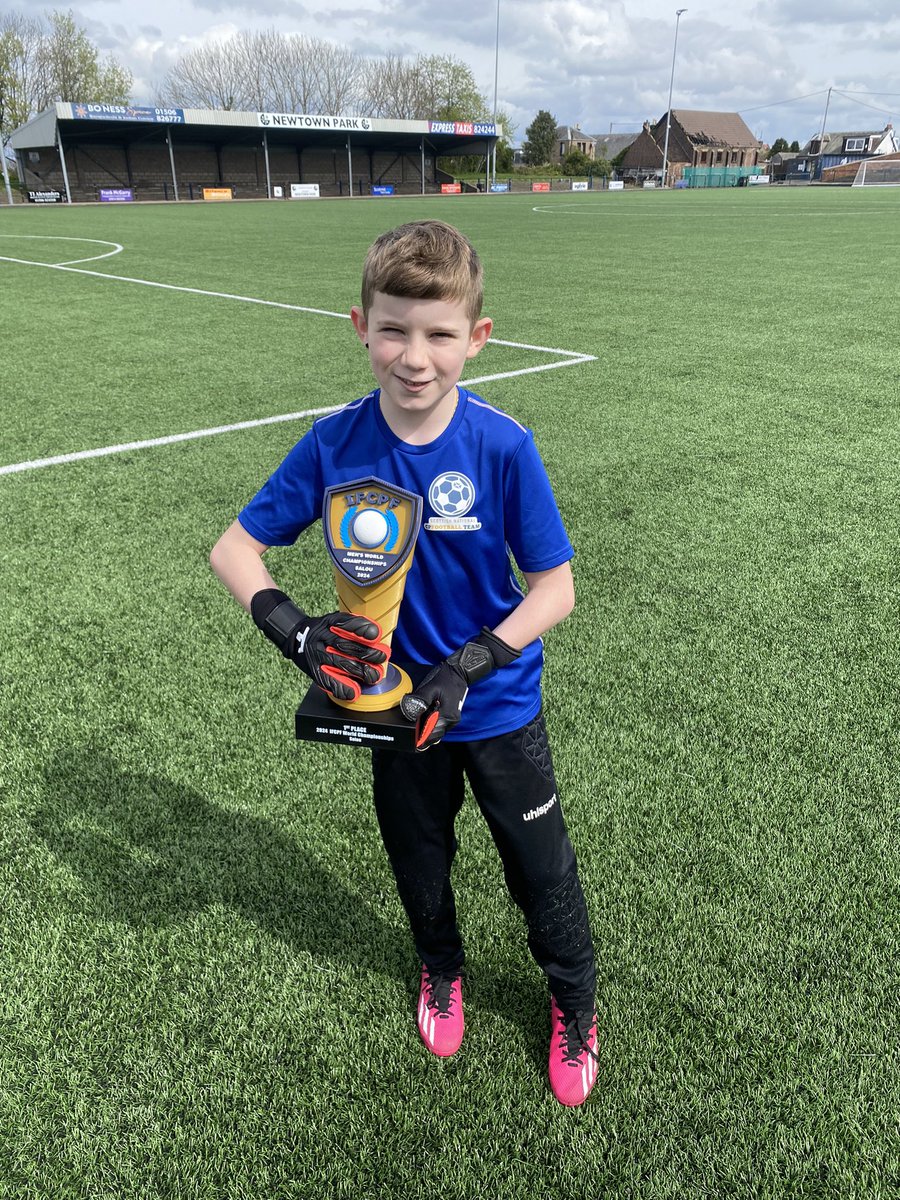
{"x": 440, "y": 1016}
{"x": 573, "y": 1054}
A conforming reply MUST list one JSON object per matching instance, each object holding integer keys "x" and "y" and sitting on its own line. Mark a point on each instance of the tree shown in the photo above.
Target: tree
{"x": 577, "y": 162}
{"x": 429, "y": 87}
{"x": 616, "y": 161}
{"x": 209, "y": 76}
{"x": 794, "y": 147}
{"x": 267, "y": 71}
{"x": 540, "y": 136}
{"x": 432, "y": 87}
{"x": 778, "y": 147}
{"x": 19, "y": 45}
{"x": 72, "y": 69}
{"x": 42, "y": 61}
{"x": 602, "y": 166}
{"x": 505, "y": 158}
{"x": 340, "y": 73}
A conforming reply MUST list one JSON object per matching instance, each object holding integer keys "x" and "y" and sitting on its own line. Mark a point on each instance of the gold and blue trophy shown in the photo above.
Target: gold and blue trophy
{"x": 370, "y": 529}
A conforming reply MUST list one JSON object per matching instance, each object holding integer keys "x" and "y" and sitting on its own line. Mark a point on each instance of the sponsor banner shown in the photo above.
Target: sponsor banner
{"x": 116, "y": 195}
{"x": 304, "y": 191}
{"x": 752, "y": 179}
{"x": 579, "y": 185}
{"x": 649, "y": 183}
{"x": 451, "y": 189}
{"x": 46, "y": 197}
{"x": 464, "y": 128}
{"x": 382, "y": 189}
{"x": 278, "y": 191}
{"x": 499, "y": 187}
{"x": 617, "y": 185}
{"x": 218, "y": 193}
{"x": 330, "y": 121}
{"x": 127, "y": 112}
{"x": 312, "y": 121}
{"x": 540, "y": 187}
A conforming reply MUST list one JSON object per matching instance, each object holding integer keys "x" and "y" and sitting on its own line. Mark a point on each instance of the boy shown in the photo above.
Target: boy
{"x": 478, "y": 711}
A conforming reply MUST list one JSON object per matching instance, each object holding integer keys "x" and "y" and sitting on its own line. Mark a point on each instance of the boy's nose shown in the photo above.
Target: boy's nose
{"x": 416, "y": 353}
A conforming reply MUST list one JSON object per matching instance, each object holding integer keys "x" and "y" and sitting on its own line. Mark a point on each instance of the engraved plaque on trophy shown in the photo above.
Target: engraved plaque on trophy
{"x": 370, "y": 529}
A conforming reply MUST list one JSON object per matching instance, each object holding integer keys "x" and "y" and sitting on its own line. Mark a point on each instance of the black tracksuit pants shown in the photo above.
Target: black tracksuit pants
{"x": 417, "y": 797}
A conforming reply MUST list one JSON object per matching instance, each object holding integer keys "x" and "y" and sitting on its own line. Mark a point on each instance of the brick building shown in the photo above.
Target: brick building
{"x": 696, "y": 139}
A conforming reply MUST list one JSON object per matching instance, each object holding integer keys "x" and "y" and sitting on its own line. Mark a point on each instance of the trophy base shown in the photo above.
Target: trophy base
{"x": 381, "y": 696}
{"x": 320, "y": 719}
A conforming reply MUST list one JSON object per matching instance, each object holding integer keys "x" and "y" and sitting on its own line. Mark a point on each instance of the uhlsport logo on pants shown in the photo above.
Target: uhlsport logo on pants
{"x": 534, "y": 813}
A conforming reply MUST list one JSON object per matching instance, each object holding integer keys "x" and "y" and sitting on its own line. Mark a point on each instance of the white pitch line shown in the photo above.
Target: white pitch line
{"x": 544, "y": 349}
{"x": 570, "y": 362}
{"x": 172, "y": 287}
{"x": 117, "y": 248}
{"x": 168, "y": 440}
{"x": 572, "y": 359}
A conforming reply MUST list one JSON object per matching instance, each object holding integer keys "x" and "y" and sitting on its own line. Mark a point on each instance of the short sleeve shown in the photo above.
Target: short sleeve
{"x": 535, "y": 532}
{"x": 291, "y": 498}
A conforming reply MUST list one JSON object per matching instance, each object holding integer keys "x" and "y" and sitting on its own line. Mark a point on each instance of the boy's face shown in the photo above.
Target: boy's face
{"x": 418, "y": 349}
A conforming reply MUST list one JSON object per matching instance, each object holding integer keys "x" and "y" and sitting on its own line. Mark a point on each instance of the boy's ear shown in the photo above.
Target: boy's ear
{"x": 360, "y": 324}
{"x": 481, "y": 331}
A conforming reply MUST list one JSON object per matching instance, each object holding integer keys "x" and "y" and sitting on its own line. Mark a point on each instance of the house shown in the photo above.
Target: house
{"x": 569, "y": 138}
{"x": 609, "y": 145}
{"x": 782, "y": 166}
{"x": 835, "y": 149}
{"x": 595, "y": 146}
{"x": 696, "y": 139}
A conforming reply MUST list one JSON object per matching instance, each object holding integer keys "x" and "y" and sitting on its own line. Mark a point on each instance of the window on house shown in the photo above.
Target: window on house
{"x": 855, "y": 144}
{"x": 562, "y": 149}
{"x": 718, "y": 156}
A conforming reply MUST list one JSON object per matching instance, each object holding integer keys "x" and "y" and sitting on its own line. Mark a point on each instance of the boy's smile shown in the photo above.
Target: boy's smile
{"x": 418, "y": 349}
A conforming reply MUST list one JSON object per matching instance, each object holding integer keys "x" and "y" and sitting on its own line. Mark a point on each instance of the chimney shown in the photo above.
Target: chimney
{"x": 646, "y": 127}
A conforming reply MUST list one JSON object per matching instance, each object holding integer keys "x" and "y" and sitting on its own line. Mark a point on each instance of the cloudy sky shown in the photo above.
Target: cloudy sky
{"x": 604, "y": 64}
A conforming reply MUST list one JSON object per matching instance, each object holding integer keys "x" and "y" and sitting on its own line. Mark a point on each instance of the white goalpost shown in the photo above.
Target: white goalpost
{"x": 874, "y": 172}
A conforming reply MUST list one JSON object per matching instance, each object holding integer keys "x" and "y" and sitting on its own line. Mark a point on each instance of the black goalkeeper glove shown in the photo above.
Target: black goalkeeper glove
{"x": 436, "y": 704}
{"x": 341, "y": 652}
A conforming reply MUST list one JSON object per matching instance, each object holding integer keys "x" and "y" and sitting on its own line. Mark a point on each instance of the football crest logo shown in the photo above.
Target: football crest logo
{"x": 451, "y": 496}
{"x": 370, "y": 529}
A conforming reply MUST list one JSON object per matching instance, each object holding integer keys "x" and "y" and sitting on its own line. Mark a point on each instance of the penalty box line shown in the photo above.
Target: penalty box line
{"x": 569, "y": 358}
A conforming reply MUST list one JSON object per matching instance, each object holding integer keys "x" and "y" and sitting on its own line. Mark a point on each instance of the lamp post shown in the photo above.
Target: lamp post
{"x": 9, "y": 195}
{"x": 496, "y": 74}
{"x": 671, "y": 85}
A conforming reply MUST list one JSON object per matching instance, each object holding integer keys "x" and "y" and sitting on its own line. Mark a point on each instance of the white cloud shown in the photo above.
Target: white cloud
{"x": 595, "y": 63}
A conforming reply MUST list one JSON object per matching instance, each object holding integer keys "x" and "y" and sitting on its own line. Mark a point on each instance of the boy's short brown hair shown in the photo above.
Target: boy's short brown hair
{"x": 424, "y": 260}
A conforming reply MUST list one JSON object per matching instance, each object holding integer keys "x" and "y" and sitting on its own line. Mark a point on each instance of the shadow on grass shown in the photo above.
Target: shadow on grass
{"x": 151, "y": 852}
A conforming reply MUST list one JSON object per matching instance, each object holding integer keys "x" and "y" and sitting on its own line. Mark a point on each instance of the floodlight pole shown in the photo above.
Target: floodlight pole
{"x": 62, "y": 163}
{"x": 496, "y": 76}
{"x": 671, "y": 85}
{"x": 9, "y": 195}
{"x": 822, "y": 134}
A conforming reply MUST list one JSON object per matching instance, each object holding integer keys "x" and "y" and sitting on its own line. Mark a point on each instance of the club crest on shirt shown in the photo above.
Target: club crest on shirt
{"x": 451, "y": 496}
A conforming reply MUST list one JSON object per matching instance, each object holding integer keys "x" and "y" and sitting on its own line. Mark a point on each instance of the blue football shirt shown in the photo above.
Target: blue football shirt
{"x": 487, "y": 501}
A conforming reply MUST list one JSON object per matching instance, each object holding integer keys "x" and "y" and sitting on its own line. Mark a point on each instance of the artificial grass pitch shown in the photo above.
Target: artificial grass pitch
{"x": 206, "y": 984}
